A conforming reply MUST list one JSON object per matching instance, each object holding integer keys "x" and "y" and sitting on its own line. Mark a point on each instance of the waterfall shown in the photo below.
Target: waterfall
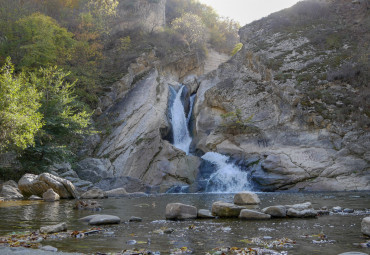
{"x": 181, "y": 136}
{"x": 227, "y": 177}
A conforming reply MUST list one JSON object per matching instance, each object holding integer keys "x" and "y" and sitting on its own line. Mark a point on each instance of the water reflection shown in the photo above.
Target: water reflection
{"x": 198, "y": 235}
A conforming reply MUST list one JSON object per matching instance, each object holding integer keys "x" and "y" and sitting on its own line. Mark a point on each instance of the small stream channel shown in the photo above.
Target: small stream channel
{"x": 200, "y": 236}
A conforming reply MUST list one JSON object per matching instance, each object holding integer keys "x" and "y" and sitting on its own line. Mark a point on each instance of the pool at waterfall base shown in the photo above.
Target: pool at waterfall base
{"x": 327, "y": 234}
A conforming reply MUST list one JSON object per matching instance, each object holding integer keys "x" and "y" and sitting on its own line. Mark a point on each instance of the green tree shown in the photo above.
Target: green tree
{"x": 191, "y": 27}
{"x": 65, "y": 119}
{"x": 19, "y": 103}
{"x": 64, "y": 116}
{"x": 43, "y": 42}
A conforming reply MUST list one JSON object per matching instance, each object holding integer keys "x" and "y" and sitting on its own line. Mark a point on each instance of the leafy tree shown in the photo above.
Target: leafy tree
{"x": 19, "y": 103}
{"x": 64, "y": 116}
{"x": 65, "y": 119}
{"x": 192, "y": 29}
{"x": 43, "y": 42}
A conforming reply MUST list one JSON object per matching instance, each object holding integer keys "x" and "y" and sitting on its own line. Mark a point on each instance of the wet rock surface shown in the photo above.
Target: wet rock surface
{"x": 278, "y": 211}
{"x": 54, "y": 228}
{"x": 179, "y": 211}
{"x": 247, "y": 214}
{"x": 223, "y": 209}
{"x": 205, "y": 214}
{"x": 101, "y": 219}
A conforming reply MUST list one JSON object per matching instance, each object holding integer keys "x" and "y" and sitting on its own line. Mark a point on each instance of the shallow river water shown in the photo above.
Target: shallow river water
{"x": 200, "y": 236}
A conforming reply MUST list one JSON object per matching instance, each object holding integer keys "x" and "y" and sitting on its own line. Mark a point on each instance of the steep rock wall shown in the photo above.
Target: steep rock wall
{"x": 294, "y": 142}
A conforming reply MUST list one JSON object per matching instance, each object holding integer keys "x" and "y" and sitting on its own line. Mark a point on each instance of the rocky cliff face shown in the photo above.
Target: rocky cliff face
{"x": 147, "y": 14}
{"x": 133, "y": 117}
{"x": 292, "y": 105}
{"x": 294, "y": 99}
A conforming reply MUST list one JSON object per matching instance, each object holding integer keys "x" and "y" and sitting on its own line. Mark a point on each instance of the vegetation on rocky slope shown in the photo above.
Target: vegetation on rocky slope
{"x": 65, "y": 53}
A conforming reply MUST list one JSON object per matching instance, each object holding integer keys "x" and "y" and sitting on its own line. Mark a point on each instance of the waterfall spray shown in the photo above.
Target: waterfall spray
{"x": 228, "y": 177}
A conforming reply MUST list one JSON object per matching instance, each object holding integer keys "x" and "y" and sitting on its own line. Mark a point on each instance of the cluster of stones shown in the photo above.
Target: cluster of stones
{"x": 238, "y": 209}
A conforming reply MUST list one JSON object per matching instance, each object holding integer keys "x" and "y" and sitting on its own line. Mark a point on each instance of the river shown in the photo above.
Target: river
{"x": 200, "y": 236}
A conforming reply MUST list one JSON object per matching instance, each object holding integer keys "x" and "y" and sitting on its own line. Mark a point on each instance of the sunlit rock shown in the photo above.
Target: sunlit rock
{"x": 54, "y": 228}
{"x": 31, "y": 184}
{"x": 50, "y": 196}
{"x": 246, "y": 198}
{"x": 223, "y": 209}
{"x": 365, "y": 226}
{"x": 247, "y": 214}
{"x": 178, "y": 211}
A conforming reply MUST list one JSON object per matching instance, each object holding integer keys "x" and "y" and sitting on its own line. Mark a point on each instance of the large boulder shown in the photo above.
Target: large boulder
{"x": 94, "y": 193}
{"x": 278, "y": 211}
{"x": 50, "y": 196}
{"x": 223, "y": 209}
{"x": 31, "y": 184}
{"x": 54, "y": 228}
{"x": 9, "y": 191}
{"x": 178, "y": 211}
{"x": 365, "y": 226}
{"x": 247, "y": 214}
{"x": 246, "y": 198}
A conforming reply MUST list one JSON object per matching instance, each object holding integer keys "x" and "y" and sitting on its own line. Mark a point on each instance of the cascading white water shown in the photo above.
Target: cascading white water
{"x": 228, "y": 177}
{"x": 181, "y": 136}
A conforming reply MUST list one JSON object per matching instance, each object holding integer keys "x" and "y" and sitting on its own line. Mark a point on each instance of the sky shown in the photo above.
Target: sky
{"x": 246, "y": 11}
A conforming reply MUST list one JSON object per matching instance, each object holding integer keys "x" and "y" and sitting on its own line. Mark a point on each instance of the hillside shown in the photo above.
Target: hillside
{"x": 300, "y": 89}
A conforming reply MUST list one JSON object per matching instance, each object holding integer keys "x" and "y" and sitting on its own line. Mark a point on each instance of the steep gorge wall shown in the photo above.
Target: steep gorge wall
{"x": 290, "y": 143}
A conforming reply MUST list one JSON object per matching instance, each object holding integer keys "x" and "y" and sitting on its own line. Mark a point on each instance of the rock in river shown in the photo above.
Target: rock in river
{"x": 303, "y": 206}
{"x": 178, "y": 211}
{"x": 54, "y": 228}
{"x": 306, "y": 213}
{"x": 94, "y": 194}
{"x": 205, "y": 214}
{"x": 223, "y": 209}
{"x": 278, "y": 211}
{"x": 246, "y": 198}
{"x": 247, "y": 214}
{"x": 101, "y": 219}
{"x": 50, "y": 196}
{"x": 365, "y": 226}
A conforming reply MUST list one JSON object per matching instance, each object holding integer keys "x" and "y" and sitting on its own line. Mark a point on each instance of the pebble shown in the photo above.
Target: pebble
{"x": 348, "y": 210}
{"x": 131, "y": 242}
{"x": 337, "y": 209}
